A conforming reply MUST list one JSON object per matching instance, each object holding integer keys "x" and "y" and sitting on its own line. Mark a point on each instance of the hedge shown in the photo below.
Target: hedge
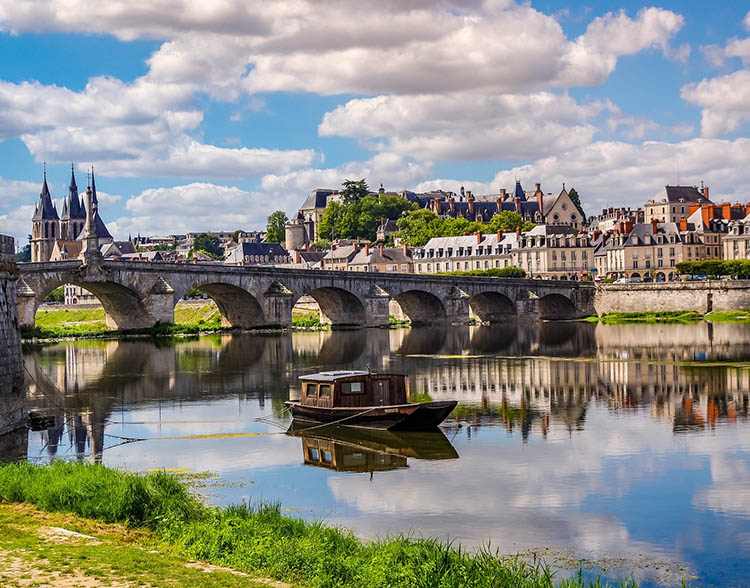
{"x": 715, "y": 268}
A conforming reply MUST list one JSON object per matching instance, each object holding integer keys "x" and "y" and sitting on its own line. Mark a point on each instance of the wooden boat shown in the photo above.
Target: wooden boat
{"x": 364, "y": 399}
{"x": 360, "y": 449}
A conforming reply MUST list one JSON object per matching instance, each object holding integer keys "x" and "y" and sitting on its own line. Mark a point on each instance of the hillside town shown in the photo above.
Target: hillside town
{"x": 554, "y": 239}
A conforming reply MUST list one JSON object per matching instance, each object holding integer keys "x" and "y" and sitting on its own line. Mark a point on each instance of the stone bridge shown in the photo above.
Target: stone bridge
{"x": 139, "y": 294}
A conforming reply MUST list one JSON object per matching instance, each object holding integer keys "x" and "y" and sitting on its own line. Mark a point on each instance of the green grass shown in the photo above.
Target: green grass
{"x": 260, "y": 539}
{"x": 665, "y": 316}
{"x": 736, "y": 316}
{"x": 195, "y": 314}
{"x": 307, "y": 320}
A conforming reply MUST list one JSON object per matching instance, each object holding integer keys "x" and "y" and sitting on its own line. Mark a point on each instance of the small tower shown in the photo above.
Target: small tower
{"x": 90, "y": 248}
{"x": 45, "y": 228}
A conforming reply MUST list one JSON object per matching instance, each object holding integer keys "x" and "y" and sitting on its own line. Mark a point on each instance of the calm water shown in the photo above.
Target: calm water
{"x": 627, "y": 446}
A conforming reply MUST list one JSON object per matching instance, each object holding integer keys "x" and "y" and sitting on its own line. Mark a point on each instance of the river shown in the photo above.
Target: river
{"x": 625, "y": 447}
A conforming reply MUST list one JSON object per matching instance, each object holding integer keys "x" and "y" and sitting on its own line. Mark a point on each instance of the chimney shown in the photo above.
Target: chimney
{"x": 479, "y": 237}
{"x": 538, "y": 186}
{"x": 705, "y": 192}
{"x": 367, "y": 249}
{"x": 683, "y": 224}
{"x": 452, "y": 204}
{"x": 707, "y": 213}
{"x": 381, "y": 250}
{"x": 470, "y": 200}
{"x": 692, "y": 207}
{"x": 405, "y": 248}
{"x": 518, "y": 205}
{"x": 518, "y": 232}
{"x": 499, "y": 202}
{"x": 617, "y": 213}
{"x": 297, "y": 257}
{"x": 306, "y": 246}
{"x": 503, "y": 193}
{"x": 499, "y": 236}
{"x": 726, "y": 211}
{"x": 654, "y": 225}
{"x": 383, "y": 220}
{"x": 628, "y": 226}
{"x": 540, "y": 201}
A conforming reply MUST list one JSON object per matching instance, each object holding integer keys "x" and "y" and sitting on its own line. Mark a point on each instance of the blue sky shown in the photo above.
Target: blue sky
{"x": 201, "y": 116}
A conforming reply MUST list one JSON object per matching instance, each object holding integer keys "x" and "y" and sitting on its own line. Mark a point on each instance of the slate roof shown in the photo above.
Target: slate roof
{"x": 343, "y": 252}
{"x": 256, "y": 248}
{"x": 317, "y": 198}
{"x": 45, "y": 209}
{"x": 389, "y": 226}
{"x": 678, "y": 194}
{"x": 389, "y": 255}
{"x": 72, "y": 207}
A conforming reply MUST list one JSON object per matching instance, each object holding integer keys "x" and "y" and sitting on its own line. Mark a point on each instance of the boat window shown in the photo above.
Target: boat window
{"x": 311, "y": 389}
{"x": 351, "y": 387}
{"x": 327, "y": 456}
{"x": 324, "y": 390}
{"x": 313, "y": 454}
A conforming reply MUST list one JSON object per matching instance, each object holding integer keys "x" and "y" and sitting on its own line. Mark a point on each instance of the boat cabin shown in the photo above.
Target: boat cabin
{"x": 353, "y": 389}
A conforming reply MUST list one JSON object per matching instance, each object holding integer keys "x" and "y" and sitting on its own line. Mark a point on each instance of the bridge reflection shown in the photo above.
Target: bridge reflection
{"x": 534, "y": 378}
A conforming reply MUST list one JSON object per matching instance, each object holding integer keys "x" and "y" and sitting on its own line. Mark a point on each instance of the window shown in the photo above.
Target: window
{"x": 659, "y": 263}
{"x": 584, "y": 255}
{"x": 311, "y": 390}
{"x": 392, "y": 268}
{"x": 419, "y": 267}
{"x": 635, "y": 264}
{"x": 324, "y": 390}
{"x": 648, "y": 264}
{"x": 327, "y": 456}
{"x": 313, "y": 454}
{"x": 671, "y": 251}
{"x": 351, "y": 388}
{"x": 671, "y": 263}
{"x": 404, "y": 267}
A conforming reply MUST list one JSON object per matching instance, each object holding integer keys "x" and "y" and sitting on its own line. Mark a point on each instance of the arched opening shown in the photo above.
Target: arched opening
{"x": 660, "y": 277}
{"x": 421, "y": 308}
{"x": 122, "y": 308}
{"x": 492, "y": 307}
{"x": 238, "y": 308}
{"x": 555, "y": 307}
{"x": 339, "y": 307}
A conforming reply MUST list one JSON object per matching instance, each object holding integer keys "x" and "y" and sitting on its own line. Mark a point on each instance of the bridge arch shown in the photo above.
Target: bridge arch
{"x": 238, "y": 307}
{"x": 555, "y": 306}
{"x": 123, "y": 306}
{"x": 492, "y": 307}
{"x": 421, "y": 307}
{"x": 339, "y": 307}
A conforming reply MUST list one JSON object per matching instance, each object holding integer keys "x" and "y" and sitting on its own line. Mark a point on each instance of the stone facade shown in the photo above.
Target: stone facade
{"x": 703, "y": 297}
{"x": 12, "y": 414}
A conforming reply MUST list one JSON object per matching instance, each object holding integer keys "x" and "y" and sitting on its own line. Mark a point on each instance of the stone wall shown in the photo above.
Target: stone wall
{"x": 12, "y": 414}
{"x": 703, "y": 297}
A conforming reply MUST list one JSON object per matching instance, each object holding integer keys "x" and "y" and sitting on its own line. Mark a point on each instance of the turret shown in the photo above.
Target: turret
{"x": 45, "y": 225}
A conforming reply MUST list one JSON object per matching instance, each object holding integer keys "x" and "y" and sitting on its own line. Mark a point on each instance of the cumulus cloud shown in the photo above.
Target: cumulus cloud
{"x": 135, "y": 129}
{"x": 466, "y": 126}
{"x": 192, "y": 207}
{"x": 16, "y": 222}
{"x": 722, "y": 100}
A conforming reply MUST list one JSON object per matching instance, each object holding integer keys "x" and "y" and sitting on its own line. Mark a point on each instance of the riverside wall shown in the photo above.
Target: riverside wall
{"x": 703, "y": 297}
{"x": 12, "y": 412}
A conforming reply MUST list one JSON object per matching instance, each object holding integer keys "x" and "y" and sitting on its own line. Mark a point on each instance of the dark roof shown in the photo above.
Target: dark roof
{"x": 75, "y": 210}
{"x": 45, "y": 209}
{"x": 256, "y": 248}
{"x": 679, "y": 194}
{"x": 519, "y": 193}
{"x": 318, "y": 198}
{"x": 125, "y": 247}
{"x": 389, "y": 226}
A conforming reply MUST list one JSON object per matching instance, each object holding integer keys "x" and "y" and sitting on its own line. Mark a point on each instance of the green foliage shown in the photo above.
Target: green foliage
{"x": 715, "y": 267}
{"x": 209, "y": 244}
{"x": 664, "y": 316}
{"x": 495, "y": 272}
{"x": 194, "y": 293}
{"x": 275, "y": 232}
{"x": 259, "y": 539}
{"x": 236, "y": 235}
{"x": 354, "y": 190}
{"x": 24, "y": 254}
{"x": 56, "y": 296}
{"x": 419, "y": 226}
{"x": 310, "y": 320}
{"x": 732, "y": 316}
{"x": 577, "y": 201}
{"x": 362, "y": 217}
{"x": 321, "y": 244}
{"x": 165, "y": 247}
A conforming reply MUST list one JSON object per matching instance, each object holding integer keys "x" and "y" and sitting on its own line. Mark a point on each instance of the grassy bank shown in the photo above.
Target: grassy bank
{"x": 260, "y": 540}
{"x": 670, "y": 316}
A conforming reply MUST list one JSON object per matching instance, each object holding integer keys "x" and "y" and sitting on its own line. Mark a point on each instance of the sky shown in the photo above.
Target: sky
{"x": 211, "y": 115}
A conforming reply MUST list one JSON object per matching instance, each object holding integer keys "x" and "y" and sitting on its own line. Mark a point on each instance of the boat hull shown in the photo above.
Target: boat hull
{"x": 400, "y": 417}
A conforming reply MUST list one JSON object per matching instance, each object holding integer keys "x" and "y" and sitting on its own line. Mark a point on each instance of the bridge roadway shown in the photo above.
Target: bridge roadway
{"x": 140, "y": 294}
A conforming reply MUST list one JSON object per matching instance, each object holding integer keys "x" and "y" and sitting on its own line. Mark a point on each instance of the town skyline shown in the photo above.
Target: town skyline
{"x": 207, "y": 124}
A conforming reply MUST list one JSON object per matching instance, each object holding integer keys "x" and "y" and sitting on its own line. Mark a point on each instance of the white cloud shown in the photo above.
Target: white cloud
{"x": 16, "y": 222}
{"x": 746, "y": 22}
{"x": 192, "y": 207}
{"x": 14, "y": 191}
{"x": 387, "y": 168}
{"x": 466, "y": 125}
{"x": 133, "y": 129}
{"x": 723, "y": 102}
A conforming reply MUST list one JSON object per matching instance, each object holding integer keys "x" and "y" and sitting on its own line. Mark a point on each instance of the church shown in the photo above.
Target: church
{"x": 78, "y": 232}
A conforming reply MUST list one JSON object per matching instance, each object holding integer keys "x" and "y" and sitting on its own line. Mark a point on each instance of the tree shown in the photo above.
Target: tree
{"x": 57, "y": 296}
{"x": 354, "y": 190}
{"x": 236, "y": 235}
{"x": 210, "y": 244}
{"x": 361, "y": 218}
{"x": 275, "y": 232}
{"x": 577, "y": 201}
{"x": 418, "y": 227}
{"x": 24, "y": 254}
{"x": 506, "y": 220}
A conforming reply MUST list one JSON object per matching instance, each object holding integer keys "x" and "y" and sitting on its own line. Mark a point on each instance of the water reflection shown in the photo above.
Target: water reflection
{"x": 608, "y": 439}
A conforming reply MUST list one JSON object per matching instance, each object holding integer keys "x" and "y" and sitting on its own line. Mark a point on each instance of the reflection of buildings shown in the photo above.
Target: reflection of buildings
{"x": 528, "y": 377}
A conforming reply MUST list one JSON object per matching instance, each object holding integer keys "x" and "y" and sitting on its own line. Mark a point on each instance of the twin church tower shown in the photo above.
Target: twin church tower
{"x": 80, "y": 223}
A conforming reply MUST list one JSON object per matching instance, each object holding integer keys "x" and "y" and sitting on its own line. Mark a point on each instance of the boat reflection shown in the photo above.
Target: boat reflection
{"x": 347, "y": 449}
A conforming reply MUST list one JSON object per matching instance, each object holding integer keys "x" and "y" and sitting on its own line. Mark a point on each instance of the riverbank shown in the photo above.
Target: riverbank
{"x": 670, "y": 317}
{"x": 147, "y": 528}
